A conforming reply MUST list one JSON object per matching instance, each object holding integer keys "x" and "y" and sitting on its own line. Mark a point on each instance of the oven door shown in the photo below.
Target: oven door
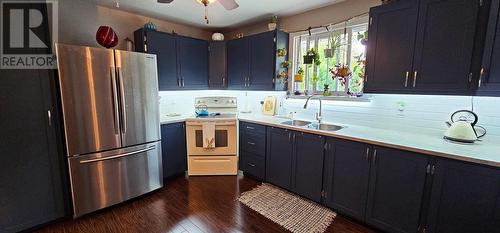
{"x": 225, "y": 138}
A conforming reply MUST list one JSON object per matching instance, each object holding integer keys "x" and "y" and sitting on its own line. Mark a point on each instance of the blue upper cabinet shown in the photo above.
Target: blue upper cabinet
{"x": 217, "y": 65}
{"x": 182, "y": 61}
{"x": 396, "y": 189}
{"x": 391, "y": 46}
{"x": 465, "y": 198}
{"x": 193, "y": 63}
{"x": 262, "y": 61}
{"x": 426, "y": 46}
{"x": 252, "y": 61}
{"x": 445, "y": 46}
{"x": 489, "y": 80}
{"x": 164, "y": 45}
{"x": 237, "y": 63}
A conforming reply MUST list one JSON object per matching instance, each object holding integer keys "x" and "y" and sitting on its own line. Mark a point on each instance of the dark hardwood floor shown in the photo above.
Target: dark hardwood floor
{"x": 195, "y": 204}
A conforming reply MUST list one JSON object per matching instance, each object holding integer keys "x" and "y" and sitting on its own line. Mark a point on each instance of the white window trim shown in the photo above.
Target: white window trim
{"x": 316, "y": 34}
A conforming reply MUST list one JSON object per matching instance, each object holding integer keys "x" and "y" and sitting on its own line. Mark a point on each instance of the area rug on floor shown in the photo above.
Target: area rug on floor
{"x": 292, "y": 212}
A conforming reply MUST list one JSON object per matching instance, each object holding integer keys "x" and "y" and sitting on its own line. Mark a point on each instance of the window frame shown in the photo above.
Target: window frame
{"x": 316, "y": 35}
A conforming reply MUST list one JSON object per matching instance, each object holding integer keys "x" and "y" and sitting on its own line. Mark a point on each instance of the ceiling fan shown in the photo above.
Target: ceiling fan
{"x": 228, "y": 4}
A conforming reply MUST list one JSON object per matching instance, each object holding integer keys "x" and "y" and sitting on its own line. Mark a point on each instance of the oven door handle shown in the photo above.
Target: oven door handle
{"x": 189, "y": 123}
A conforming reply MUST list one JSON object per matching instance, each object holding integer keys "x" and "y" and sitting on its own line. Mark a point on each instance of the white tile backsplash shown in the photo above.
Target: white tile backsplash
{"x": 412, "y": 113}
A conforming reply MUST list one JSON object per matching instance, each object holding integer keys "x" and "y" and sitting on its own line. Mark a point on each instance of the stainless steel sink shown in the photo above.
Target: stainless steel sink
{"x": 296, "y": 123}
{"x": 326, "y": 127}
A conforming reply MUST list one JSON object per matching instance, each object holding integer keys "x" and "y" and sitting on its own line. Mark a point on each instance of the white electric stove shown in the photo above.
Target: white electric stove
{"x": 221, "y": 159}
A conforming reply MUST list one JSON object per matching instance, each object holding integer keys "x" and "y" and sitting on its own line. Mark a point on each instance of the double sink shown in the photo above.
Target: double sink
{"x": 317, "y": 126}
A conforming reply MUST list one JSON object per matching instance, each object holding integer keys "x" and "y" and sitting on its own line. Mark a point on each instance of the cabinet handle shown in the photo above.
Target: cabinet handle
{"x": 293, "y": 138}
{"x": 251, "y": 143}
{"x": 49, "y": 116}
{"x": 290, "y": 138}
{"x": 182, "y": 81}
{"x": 374, "y": 156}
{"x": 223, "y": 81}
{"x": 248, "y": 127}
{"x": 415, "y": 78}
{"x": 178, "y": 82}
{"x": 406, "y": 78}
{"x": 251, "y": 164}
{"x": 481, "y": 75}
{"x": 367, "y": 156}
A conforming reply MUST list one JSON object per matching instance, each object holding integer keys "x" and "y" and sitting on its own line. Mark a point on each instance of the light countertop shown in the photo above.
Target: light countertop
{"x": 486, "y": 152}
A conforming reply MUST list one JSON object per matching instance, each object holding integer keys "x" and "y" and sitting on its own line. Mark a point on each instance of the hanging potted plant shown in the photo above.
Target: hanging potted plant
{"x": 312, "y": 57}
{"x": 299, "y": 76}
{"x": 286, "y": 64}
{"x": 333, "y": 44}
{"x": 363, "y": 38}
{"x": 281, "y": 52}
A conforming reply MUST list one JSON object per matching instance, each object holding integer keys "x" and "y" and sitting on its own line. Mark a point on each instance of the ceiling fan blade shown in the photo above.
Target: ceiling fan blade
{"x": 165, "y": 1}
{"x": 229, "y": 4}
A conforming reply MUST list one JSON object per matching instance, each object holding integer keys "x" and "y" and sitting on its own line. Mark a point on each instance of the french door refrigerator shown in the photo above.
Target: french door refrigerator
{"x": 111, "y": 122}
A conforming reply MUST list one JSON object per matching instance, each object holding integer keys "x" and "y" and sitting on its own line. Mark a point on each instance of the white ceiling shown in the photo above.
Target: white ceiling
{"x": 192, "y": 13}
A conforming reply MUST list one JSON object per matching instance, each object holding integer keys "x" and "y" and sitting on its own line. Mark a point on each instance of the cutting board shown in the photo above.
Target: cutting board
{"x": 269, "y": 107}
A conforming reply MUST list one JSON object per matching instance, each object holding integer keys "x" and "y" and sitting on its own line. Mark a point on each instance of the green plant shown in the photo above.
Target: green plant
{"x": 315, "y": 56}
{"x": 300, "y": 71}
{"x": 274, "y": 19}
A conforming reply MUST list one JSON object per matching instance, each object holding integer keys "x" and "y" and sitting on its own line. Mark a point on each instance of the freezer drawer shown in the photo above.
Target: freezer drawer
{"x": 104, "y": 179}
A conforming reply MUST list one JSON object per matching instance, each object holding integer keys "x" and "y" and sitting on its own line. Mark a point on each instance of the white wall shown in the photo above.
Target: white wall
{"x": 80, "y": 19}
{"x": 422, "y": 113}
{"x": 321, "y": 16}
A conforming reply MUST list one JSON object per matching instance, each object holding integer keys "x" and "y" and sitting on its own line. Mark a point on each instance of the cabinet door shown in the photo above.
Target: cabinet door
{"x": 444, "y": 46}
{"x": 279, "y": 157}
{"x": 262, "y": 59}
{"x": 391, "y": 46}
{"x": 173, "y": 147}
{"x": 164, "y": 46}
{"x": 397, "y": 180}
{"x": 465, "y": 198}
{"x": 489, "y": 83}
{"x": 32, "y": 172}
{"x": 217, "y": 65}
{"x": 237, "y": 63}
{"x": 347, "y": 171}
{"x": 307, "y": 174}
{"x": 193, "y": 63}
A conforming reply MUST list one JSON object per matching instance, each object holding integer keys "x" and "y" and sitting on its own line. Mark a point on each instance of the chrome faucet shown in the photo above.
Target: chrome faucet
{"x": 318, "y": 114}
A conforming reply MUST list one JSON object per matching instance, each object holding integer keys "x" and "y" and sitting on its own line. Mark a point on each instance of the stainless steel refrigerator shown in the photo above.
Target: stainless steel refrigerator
{"x": 111, "y": 121}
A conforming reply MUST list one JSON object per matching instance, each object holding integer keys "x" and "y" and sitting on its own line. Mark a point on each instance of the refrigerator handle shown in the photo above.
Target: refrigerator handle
{"x": 122, "y": 100}
{"x": 115, "y": 98}
{"x": 118, "y": 156}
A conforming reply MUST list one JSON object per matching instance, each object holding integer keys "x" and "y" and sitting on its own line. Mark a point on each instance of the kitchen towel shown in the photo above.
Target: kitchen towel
{"x": 208, "y": 135}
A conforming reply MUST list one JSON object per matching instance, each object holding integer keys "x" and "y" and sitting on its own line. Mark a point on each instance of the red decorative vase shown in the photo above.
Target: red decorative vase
{"x": 106, "y": 37}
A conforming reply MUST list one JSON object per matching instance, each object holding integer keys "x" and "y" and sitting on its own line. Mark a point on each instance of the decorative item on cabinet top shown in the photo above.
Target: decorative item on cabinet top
{"x": 106, "y": 37}
{"x": 217, "y": 36}
{"x": 273, "y": 24}
{"x": 150, "y": 26}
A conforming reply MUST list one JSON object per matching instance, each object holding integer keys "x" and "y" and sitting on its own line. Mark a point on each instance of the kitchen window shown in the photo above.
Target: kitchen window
{"x": 349, "y": 50}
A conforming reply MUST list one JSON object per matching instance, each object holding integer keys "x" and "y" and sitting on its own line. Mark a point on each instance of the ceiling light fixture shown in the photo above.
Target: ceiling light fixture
{"x": 206, "y": 3}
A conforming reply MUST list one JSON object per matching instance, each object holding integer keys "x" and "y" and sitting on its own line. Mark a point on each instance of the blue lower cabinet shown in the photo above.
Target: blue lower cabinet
{"x": 252, "y": 164}
{"x": 307, "y": 172}
{"x": 396, "y": 189}
{"x": 173, "y": 147}
{"x": 465, "y": 198}
{"x": 279, "y": 157}
{"x": 346, "y": 176}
